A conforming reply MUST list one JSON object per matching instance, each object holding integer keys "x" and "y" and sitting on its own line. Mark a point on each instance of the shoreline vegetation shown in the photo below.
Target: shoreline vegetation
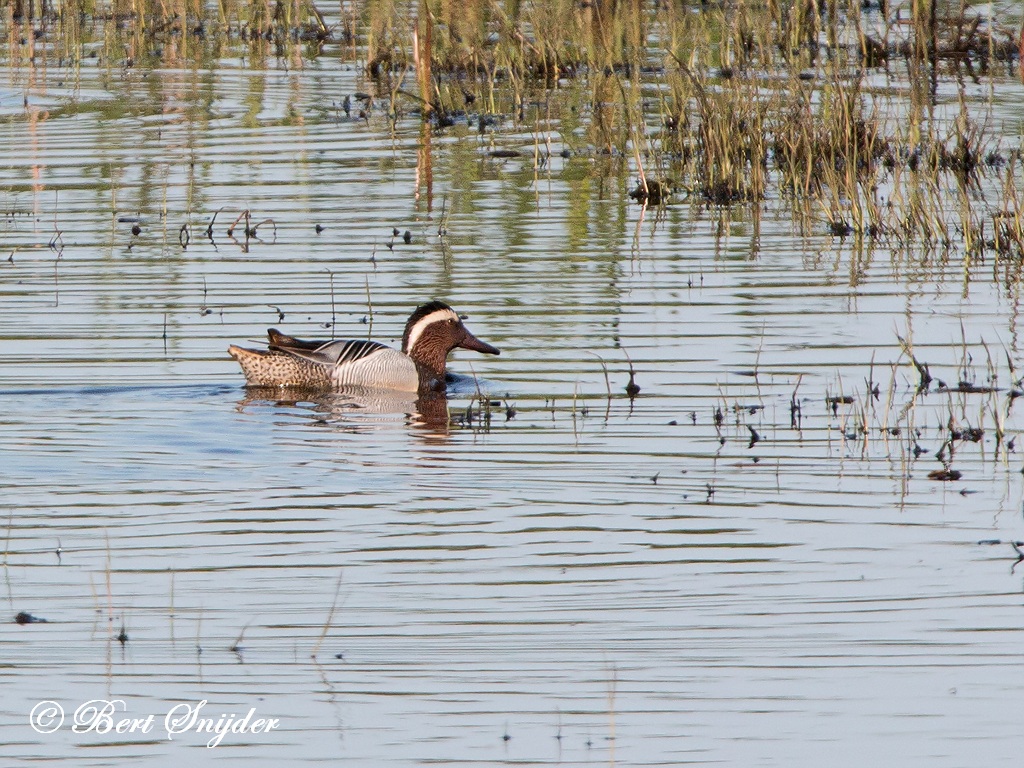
{"x": 863, "y": 115}
{"x": 875, "y": 125}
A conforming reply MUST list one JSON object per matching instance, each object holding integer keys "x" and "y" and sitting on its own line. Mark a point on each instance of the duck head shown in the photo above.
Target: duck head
{"x": 434, "y": 330}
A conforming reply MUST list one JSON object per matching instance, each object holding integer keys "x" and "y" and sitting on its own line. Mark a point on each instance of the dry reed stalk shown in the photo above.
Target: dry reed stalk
{"x": 422, "y": 35}
{"x": 328, "y": 620}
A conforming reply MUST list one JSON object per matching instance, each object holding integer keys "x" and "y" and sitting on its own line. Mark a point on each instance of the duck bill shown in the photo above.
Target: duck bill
{"x": 472, "y": 342}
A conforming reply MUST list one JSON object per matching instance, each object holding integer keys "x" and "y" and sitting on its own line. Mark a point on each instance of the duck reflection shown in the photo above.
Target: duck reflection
{"x": 357, "y": 409}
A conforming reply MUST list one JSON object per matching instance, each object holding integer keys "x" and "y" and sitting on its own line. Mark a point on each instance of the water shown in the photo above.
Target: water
{"x": 579, "y": 579}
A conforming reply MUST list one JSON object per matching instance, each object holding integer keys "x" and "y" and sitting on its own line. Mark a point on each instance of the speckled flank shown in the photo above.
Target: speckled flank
{"x": 387, "y": 368}
{"x": 278, "y": 369}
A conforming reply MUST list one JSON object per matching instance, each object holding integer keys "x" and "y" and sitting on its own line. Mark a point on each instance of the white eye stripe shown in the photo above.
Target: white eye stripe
{"x": 436, "y": 316}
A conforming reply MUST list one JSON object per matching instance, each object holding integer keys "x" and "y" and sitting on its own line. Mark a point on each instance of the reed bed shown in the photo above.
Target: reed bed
{"x": 841, "y": 108}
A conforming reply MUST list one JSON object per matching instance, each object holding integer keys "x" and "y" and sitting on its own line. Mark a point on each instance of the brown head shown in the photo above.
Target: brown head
{"x": 434, "y": 330}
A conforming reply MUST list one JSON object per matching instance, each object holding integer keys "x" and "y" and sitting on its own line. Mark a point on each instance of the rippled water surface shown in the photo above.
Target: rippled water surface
{"x": 726, "y": 569}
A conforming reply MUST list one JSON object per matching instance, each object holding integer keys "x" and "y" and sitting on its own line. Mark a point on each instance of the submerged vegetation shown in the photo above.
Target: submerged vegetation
{"x": 861, "y": 115}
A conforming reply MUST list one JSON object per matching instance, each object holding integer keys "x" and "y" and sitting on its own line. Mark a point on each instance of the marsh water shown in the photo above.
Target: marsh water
{"x": 724, "y": 569}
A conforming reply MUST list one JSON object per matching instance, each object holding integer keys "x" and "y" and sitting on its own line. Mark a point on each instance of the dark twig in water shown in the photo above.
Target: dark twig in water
{"x": 483, "y": 404}
{"x": 204, "y": 310}
{"x": 236, "y": 647}
{"x": 56, "y": 281}
{"x": 632, "y": 388}
{"x": 209, "y": 227}
{"x": 334, "y": 318}
{"x": 795, "y": 415}
{"x": 251, "y": 231}
{"x": 330, "y": 618}
{"x": 834, "y": 401}
{"x": 442, "y": 224}
{"x": 874, "y": 391}
{"x": 1020, "y": 554}
{"x": 922, "y": 368}
{"x": 7, "y": 549}
{"x": 754, "y": 437}
{"x": 607, "y": 384}
{"x": 243, "y": 215}
{"x": 56, "y": 245}
{"x": 1013, "y": 370}
{"x": 369, "y": 308}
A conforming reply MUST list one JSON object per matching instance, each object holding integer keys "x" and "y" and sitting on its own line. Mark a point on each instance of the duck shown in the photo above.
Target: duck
{"x": 433, "y": 330}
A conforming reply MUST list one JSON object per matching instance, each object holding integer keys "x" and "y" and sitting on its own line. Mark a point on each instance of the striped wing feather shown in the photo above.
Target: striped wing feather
{"x": 338, "y": 352}
{"x": 344, "y": 352}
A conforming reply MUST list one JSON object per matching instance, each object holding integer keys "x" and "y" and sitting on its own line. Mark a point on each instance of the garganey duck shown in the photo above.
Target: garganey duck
{"x": 432, "y": 331}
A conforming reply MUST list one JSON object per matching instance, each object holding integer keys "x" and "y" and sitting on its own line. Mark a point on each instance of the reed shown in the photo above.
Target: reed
{"x": 328, "y": 621}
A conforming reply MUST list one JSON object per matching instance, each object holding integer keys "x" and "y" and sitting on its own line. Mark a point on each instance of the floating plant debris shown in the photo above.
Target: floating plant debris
{"x": 27, "y": 618}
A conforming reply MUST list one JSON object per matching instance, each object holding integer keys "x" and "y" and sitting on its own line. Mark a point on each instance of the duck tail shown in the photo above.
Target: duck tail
{"x": 252, "y": 362}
